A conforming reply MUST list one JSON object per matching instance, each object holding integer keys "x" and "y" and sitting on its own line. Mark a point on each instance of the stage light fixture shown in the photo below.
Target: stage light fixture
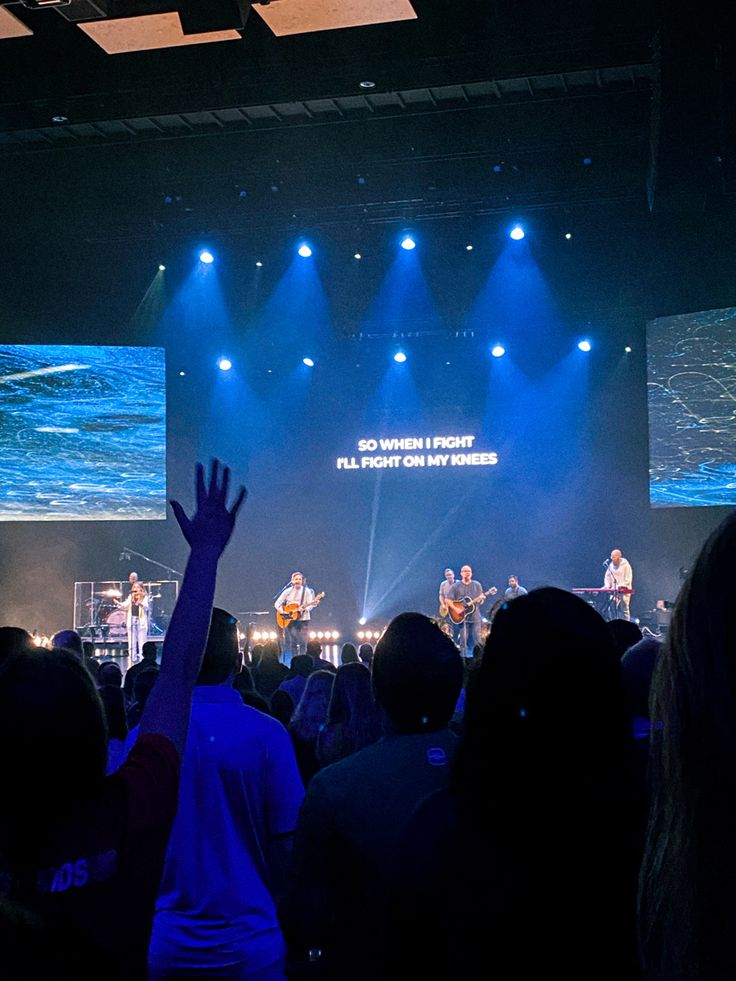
{"x": 182, "y": 374}
{"x": 224, "y": 364}
{"x": 408, "y": 243}
{"x": 161, "y": 267}
{"x": 517, "y": 233}
{"x": 206, "y": 257}
{"x": 304, "y": 250}
{"x": 308, "y": 362}
{"x": 400, "y": 357}
{"x": 585, "y": 346}
{"x": 568, "y": 235}
{"x": 469, "y": 247}
{"x": 627, "y": 349}
{"x": 498, "y": 351}
{"x": 259, "y": 264}
{"x": 362, "y": 621}
{"x": 357, "y": 256}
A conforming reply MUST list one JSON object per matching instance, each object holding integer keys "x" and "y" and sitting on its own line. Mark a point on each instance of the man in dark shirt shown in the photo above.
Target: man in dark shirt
{"x": 468, "y": 595}
{"x": 353, "y": 817}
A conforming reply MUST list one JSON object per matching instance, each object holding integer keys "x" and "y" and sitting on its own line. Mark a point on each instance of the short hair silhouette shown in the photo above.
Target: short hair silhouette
{"x": 417, "y": 674}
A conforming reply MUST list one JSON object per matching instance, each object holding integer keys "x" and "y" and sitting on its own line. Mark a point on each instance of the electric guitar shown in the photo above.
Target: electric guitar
{"x": 292, "y": 611}
{"x": 460, "y": 610}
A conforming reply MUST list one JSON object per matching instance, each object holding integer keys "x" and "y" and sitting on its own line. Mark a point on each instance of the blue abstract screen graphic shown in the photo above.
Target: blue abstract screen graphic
{"x": 692, "y": 409}
{"x": 82, "y": 433}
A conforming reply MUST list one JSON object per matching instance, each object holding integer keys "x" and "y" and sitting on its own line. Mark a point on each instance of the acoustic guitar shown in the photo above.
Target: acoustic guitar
{"x": 460, "y": 610}
{"x": 292, "y": 611}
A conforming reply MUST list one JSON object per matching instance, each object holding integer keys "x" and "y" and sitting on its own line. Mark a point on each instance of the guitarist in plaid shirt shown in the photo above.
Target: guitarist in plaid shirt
{"x": 296, "y": 602}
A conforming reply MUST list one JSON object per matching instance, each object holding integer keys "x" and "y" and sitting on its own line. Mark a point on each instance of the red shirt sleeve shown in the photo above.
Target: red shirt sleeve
{"x": 151, "y": 779}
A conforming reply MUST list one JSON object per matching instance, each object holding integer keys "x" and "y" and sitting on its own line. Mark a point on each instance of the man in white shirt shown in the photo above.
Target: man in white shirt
{"x": 301, "y": 597}
{"x": 619, "y": 576}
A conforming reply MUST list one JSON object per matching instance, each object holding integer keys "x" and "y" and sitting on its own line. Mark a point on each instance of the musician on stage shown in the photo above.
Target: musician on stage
{"x": 445, "y": 586}
{"x": 297, "y": 592}
{"x": 467, "y": 633}
{"x": 619, "y": 575}
{"x": 137, "y": 608}
{"x": 514, "y": 589}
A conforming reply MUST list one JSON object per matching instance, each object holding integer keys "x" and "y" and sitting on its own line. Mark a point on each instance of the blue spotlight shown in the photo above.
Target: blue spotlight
{"x": 224, "y": 364}
{"x": 498, "y": 351}
{"x": 304, "y": 250}
{"x": 517, "y": 233}
{"x": 408, "y": 243}
{"x": 308, "y": 362}
{"x": 584, "y": 346}
{"x": 206, "y": 256}
{"x": 400, "y": 357}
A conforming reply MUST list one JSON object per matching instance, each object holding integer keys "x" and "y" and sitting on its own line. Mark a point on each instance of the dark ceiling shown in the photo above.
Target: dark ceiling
{"x": 479, "y": 107}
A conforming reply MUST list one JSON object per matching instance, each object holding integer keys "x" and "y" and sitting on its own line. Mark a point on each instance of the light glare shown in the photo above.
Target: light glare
{"x": 517, "y": 233}
{"x": 408, "y": 243}
{"x": 584, "y": 346}
{"x": 400, "y": 357}
{"x": 224, "y": 364}
{"x": 498, "y": 351}
{"x": 206, "y": 256}
{"x": 304, "y": 251}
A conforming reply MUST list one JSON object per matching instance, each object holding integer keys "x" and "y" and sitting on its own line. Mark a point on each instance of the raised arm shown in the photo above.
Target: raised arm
{"x": 207, "y": 532}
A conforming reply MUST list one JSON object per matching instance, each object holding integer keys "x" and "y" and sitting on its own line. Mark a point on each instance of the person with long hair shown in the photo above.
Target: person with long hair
{"x": 536, "y": 839}
{"x": 353, "y": 718}
{"x": 308, "y": 720}
{"x": 77, "y": 846}
{"x": 687, "y": 904}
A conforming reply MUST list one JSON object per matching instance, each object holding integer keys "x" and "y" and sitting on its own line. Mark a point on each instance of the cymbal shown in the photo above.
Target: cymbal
{"x": 109, "y": 592}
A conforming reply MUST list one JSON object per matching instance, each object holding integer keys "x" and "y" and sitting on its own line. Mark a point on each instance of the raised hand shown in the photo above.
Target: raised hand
{"x": 212, "y": 524}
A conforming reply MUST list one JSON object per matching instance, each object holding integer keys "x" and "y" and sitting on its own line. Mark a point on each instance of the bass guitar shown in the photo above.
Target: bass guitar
{"x": 292, "y": 611}
{"x": 460, "y": 610}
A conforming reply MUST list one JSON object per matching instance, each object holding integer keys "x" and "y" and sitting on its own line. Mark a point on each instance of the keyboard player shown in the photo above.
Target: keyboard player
{"x": 619, "y": 576}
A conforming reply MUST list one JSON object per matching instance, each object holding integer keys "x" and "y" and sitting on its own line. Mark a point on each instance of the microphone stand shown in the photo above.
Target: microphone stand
{"x": 145, "y": 558}
{"x": 614, "y": 597}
